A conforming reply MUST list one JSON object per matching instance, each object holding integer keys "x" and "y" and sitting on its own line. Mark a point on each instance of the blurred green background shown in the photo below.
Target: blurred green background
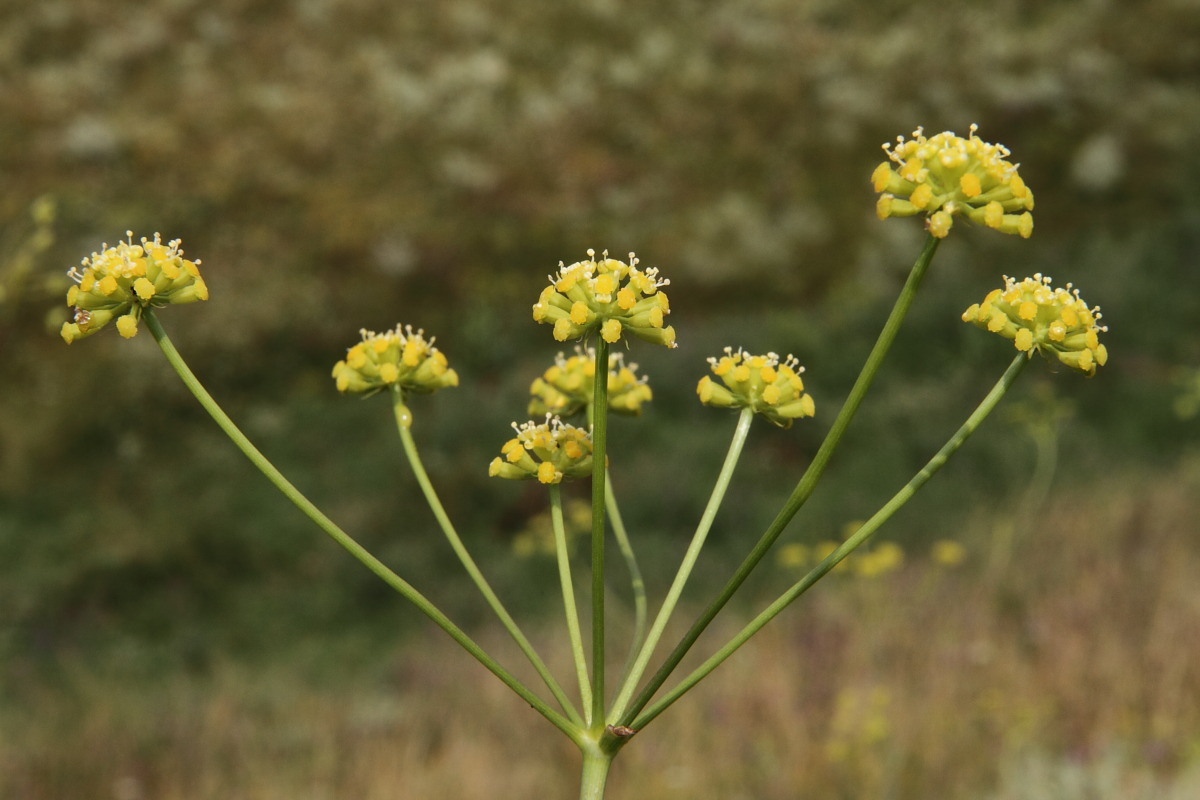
{"x": 339, "y": 165}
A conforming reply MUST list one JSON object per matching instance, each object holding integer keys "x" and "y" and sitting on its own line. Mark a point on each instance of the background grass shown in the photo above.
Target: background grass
{"x": 168, "y": 627}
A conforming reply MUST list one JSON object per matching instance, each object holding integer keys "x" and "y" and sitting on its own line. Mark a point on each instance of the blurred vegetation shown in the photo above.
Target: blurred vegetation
{"x": 339, "y": 165}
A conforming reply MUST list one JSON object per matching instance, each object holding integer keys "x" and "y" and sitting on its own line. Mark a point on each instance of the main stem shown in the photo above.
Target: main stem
{"x": 341, "y": 537}
{"x": 808, "y": 481}
{"x": 599, "y": 484}
{"x": 861, "y": 535}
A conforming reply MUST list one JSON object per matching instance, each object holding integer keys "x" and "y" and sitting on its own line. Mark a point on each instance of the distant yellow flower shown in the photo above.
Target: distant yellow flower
{"x": 946, "y": 176}
{"x": 606, "y": 296}
{"x": 881, "y": 559}
{"x": 566, "y": 387}
{"x": 399, "y": 357}
{"x": 119, "y": 282}
{"x": 548, "y": 451}
{"x": 770, "y": 387}
{"x": 1035, "y": 316}
{"x": 948, "y": 553}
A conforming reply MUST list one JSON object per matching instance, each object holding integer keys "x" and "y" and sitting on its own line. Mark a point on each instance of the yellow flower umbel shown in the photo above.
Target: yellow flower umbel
{"x": 566, "y": 388}
{"x": 399, "y": 357}
{"x": 120, "y": 282}
{"x": 548, "y": 451}
{"x": 608, "y": 296}
{"x": 945, "y": 176}
{"x": 763, "y": 383}
{"x": 1036, "y": 316}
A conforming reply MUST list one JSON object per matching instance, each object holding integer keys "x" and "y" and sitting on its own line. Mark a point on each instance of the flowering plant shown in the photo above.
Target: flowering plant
{"x": 604, "y": 302}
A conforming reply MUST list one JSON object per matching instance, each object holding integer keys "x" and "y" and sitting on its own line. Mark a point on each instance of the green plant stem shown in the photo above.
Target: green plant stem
{"x": 599, "y": 485}
{"x": 689, "y": 560}
{"x": 402, "y": 415}
{"x": 806, "y": 485}
{"x": 568, "y": 591}
{"x": 331, "y": 529}
{"x": 861, "y": 535}
{"x": 596, "y": 763}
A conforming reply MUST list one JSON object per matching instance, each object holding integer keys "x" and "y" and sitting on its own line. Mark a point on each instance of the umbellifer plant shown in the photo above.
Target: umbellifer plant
{"x": 602, "y": 302}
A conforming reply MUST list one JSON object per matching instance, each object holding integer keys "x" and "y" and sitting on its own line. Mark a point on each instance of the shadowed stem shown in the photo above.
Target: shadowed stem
{"x": 344, "y": 539}
{"x": 439, "y": 512}
{"x": 861, "y": 535}
{"x": 808, "y": 481}
{"x": 637, "y": 584}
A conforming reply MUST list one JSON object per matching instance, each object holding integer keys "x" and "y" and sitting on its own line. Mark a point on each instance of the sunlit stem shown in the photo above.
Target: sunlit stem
{"x": 344, "y": 539}
{"x": 808, "y": 481}
{"x": 689, "y": 561}
{"x": 568, "y": 591}
{"x": 599, "y": 485}
{"x": 403, "y": 422}
{"x": 859, "y": 537}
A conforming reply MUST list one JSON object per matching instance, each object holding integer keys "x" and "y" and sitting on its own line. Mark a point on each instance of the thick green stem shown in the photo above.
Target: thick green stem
{"x": 861, "y": 535}
{"x": 808, "y": 481}
{"x": 327, "y": 525}
{"x": 403, "y": 420}
{"x": 596, "y": 764}
{"x": 599, "y": 485}
{"x": 689, "y": 561}
{"x": 568, "y": 592}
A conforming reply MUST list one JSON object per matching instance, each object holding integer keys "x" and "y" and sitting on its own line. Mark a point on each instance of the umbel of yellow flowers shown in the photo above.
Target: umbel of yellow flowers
{"x": 401, "y": 357}
{"x": 566, "y": 387}
{"x": 1053, "y": 321}
{"x": 548, "y": 451}
{"x": 120, "y": 282}
{"x": 770, "y": 387}
{"x": 945, "y": 176}
{"x": 606, "y": 296}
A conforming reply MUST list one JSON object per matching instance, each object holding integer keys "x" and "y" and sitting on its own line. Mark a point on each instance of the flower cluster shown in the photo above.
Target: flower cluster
{"x": 548, "y": 451}
{"x": 763, "y": 383}
{"x": 947, "y": 175}
{"x": 566, "y": 387}
{"x": 119, "y": 282}
{"x": 1055, "y": 322}
{"x": 400, "y": 357}
{"x": 606, "y": 295}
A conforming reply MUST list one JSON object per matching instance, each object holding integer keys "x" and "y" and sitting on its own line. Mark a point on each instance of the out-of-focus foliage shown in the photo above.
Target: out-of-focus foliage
{"x": 340, "y": 165}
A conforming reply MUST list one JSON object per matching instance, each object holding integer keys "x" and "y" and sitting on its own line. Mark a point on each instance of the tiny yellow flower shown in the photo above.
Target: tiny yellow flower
{"x": 120, "y": 281}
{"x": 566, "y": 387}
{"x": 770, "y": 387}
{"x": 548, "y": 451}
{"x": 400, "y": 357}
{"x": 945, "y": 176}
{"x": 1036, "y": 316}
{"x": 606, "y": 296}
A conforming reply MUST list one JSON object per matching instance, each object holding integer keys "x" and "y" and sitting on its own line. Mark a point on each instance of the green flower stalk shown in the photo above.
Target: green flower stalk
{"x": 946, "y": 176}
{"x": 122, "y": 281}
{"x": 606, "y": 296}
{"x": 1037, "y": 316}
